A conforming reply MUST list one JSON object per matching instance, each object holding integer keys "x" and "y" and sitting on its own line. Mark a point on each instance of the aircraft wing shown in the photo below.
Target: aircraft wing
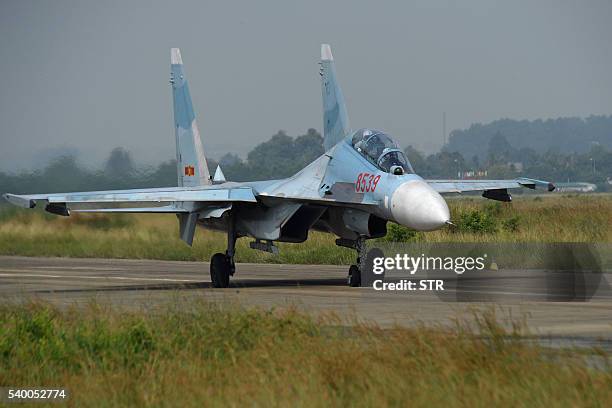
{"x": 459, "y": 186}
{"x": 170, "y": 195}
{"x": 489, "y": 187}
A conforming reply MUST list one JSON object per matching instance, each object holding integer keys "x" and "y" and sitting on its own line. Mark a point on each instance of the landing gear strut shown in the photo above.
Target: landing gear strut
{"x": 354, "y": 274}
{"x": 222, "y": 266}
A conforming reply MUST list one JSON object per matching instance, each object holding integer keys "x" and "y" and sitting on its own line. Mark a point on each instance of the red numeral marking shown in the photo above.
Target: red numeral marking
{"x": 369, "y": 187}
{"x": 375, "y": 183}
{"x": 366, "y": 182}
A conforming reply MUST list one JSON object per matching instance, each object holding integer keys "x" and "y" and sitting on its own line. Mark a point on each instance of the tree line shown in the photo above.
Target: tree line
{"x": 562, "y": 135}
{"x": 502, "y": 160}
{"x": 283, "y": 155}
{"x": 280, "y": 156}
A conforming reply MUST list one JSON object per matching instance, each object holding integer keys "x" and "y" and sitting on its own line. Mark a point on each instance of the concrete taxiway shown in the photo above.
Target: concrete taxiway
{"x": 311, "y": 288}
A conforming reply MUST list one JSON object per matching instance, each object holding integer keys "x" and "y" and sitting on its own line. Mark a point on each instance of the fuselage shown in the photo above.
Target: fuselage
{"x": 405, "y": 199}
{"x": 350, "y": 176}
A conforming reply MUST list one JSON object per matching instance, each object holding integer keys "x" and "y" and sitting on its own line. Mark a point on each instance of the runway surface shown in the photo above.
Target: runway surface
{"x": 311, "y": 288}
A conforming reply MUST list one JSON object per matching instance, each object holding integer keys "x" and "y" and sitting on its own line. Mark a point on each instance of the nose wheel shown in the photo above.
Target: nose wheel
{"x": 354, "y": 276}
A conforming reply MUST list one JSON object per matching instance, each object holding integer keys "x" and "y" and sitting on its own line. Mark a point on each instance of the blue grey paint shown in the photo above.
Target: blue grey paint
{"x": 192, "y": 169}
{"x": 183, "y": 108}
{"x": 335, "y": 117}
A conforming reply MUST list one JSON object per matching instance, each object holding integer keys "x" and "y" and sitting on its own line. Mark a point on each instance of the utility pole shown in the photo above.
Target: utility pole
{"x": 443, "y": 129}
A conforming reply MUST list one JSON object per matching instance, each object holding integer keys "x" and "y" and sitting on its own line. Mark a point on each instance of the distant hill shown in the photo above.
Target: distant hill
{"x": 563, "y": 135}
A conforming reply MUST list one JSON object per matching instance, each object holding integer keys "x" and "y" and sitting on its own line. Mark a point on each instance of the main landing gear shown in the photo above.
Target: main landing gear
{"x": 222, "y": 266}
{"x": 354, "y": 273}
{"x": 220, "y": 270}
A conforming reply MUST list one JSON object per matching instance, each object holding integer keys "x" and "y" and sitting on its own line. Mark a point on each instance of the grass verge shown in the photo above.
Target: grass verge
{"x": 553, "y": 218}
{"x": 199, "y": 354}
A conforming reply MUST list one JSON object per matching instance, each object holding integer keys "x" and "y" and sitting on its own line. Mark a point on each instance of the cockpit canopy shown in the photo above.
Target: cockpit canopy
{"x": 381, "y": 150}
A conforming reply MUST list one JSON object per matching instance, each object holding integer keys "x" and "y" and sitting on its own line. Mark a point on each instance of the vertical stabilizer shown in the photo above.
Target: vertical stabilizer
{"x": 191, "y": 162}
{"x": 335, "y": 118}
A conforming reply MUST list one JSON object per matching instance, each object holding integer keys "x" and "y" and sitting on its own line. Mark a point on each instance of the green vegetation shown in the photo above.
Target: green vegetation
{"x": 195, "y": 353}
{"x": 554, "y": 149}
{"x": 511, "y": 224}
{"x": 281, "y": 156}
{"x": 565, "y": 134}
{"x": 558, "y": 150}
{"x": 398, "y": 233}
{"x": 581, "y": 151}
{"x": 551, "y": 218}
{"x": 476, "y": 221}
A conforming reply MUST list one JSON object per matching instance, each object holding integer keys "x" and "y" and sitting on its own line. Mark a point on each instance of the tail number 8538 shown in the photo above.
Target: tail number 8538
{"x": 366, "y": 182}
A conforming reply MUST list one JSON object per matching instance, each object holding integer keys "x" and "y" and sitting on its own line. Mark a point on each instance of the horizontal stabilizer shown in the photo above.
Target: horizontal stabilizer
{"x": 533, "y": 183}
{"x": 20, "y": 201}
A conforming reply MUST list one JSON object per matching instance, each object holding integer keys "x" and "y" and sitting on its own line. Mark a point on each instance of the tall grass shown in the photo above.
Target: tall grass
{"x": 199, "y": 354}
{"x": 553, "y": 218}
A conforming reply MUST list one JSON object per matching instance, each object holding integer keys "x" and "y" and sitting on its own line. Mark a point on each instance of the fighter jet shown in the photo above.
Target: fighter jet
{"x": 361, "y": 182}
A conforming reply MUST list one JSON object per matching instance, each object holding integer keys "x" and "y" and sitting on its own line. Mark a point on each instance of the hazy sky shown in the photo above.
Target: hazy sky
{"x": 92, "y": 75}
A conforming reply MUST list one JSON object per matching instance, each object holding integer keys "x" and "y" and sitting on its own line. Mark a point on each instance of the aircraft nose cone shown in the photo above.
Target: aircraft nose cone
{"x": 416, "y": 205}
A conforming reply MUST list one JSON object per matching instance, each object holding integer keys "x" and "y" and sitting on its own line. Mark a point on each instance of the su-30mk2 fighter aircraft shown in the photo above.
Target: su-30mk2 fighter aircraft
{"x": 362, "y": 181}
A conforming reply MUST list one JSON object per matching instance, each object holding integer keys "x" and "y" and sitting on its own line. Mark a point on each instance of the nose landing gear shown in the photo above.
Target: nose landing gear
{"x": 354, "y": 276}
{"x": 354, "y": 273}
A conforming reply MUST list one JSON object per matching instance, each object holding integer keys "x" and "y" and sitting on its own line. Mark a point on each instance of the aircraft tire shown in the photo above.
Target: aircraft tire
{"x": 354, "y": 277}
{"x": 219, "y": 270}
